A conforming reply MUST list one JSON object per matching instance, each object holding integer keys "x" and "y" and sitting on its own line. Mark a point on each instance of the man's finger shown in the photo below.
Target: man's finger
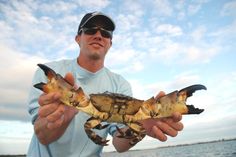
{"x": 160, "y": 94}
{"x": 157, "y": 133}
{"x": 178, "y": 126}
{"x": 70, "y": 78}
{"x": 56, "y": 124}
{"x": 165, "y": 128}
{"x": 57, "y": 114}
{"x": 176, "y": 117}
{"x": 46, "y": 110}
{"x": 49, "y": 98}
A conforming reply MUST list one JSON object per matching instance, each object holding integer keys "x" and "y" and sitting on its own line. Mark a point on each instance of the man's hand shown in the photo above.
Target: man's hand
{"x": 54, "y": 117}
{"x": 160, "y": 128}
{"x": 156, "y": 128}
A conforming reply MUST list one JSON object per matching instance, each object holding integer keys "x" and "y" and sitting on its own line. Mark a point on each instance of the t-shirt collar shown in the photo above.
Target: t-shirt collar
{"x": 81, "y": 72}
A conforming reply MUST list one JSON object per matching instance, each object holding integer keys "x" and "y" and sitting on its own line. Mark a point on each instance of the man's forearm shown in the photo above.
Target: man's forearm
{"x": 46, "y": 135}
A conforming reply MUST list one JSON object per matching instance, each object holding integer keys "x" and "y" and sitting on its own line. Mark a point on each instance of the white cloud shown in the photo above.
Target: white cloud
{"x": 98, "y": 4}
{"x": 200, "y": 54}
{"x": 140, "y": 90}
{"x": 127, "y": 23}
{"x": 229, "y": 9}
{"x": 133, "y": 7}
{"x": 226, "y": 32}
{"x": 144, "y": 90}
{"x": 16, "y": 12}
{"x": 17, "y": 70}
{"x": 198, "y": 33}
{"x": 176, "y": 83}
{"x": 57, "y": 7}
{"x": 25, "y": 25}
{"x": 172, "y": 52}
{"x": 195, "y": 7}
{"x": 169, "y": 30}
{"x": 125, "y": 60}
{"x": 185, "y": 79}
{"x": 163, "y": 7}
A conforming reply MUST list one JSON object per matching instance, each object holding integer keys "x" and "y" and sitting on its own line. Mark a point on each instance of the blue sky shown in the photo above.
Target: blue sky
{"x": 158, "y": 45}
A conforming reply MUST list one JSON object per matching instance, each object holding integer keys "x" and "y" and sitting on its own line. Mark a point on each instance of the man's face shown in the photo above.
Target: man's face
{"x": 94, "y": 45}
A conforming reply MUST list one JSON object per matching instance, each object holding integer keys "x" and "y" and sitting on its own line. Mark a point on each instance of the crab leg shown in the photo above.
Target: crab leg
{"x": 135, "y": 132}
{"x": 93, "y": 123}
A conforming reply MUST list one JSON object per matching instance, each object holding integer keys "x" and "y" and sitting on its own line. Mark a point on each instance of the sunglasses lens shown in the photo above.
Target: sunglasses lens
{"x": 105, "y": 34}
{"x": 92, "y": 31}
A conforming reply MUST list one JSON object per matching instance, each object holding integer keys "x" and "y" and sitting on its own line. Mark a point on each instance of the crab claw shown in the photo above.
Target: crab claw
{"x": 191, "y": 89}
{"x": 188, "y": 92}
{"x": 48, "y": 71}
{"x": 193, "y": 110}
{"x": 40, "y": 86}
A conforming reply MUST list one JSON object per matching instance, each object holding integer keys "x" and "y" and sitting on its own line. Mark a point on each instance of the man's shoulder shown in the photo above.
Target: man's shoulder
{"x": 61, "y": 66}
{"x": 59, "y": 63}
{"x": 120, "y": 83}
{"x": 114, "y": 74}
{"x": 117, "y": 78}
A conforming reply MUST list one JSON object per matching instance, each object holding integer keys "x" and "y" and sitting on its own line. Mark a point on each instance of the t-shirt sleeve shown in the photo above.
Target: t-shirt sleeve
{"x": 34, "y": 94}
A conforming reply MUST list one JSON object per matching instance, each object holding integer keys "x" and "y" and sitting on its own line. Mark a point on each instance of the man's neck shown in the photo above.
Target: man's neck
{"x": 90, "y": 65}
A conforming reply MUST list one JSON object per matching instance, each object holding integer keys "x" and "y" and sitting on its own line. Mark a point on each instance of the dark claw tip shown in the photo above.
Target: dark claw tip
{"x": 193, "y": 110}
{"x": 39, "y": 85}
{"x": 191, "y": 89}
{"x": 45, "y": 68}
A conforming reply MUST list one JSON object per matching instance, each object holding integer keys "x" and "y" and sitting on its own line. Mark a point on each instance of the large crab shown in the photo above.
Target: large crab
{"x": 113, "y": 107}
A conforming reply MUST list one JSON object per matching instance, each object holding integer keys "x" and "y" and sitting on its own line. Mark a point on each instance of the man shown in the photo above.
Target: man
{"x": 59, "y": 129}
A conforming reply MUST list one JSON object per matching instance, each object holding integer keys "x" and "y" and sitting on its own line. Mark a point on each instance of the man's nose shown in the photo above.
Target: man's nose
{"x": 98, "y": 34}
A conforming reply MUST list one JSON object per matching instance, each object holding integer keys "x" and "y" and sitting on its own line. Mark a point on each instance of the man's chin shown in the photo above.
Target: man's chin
{"x": 95, "y": 56}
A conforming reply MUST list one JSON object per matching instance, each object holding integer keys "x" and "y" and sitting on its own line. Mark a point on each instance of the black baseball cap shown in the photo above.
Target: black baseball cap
{"x": 89, "y": 17}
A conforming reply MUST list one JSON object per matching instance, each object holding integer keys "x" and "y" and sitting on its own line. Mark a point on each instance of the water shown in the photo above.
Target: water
{"x": 213, "y": 149}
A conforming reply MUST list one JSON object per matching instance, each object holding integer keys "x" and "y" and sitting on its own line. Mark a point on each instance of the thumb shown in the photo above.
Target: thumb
{"x": 70, "y": 78}
{"x": 160, "y": 94}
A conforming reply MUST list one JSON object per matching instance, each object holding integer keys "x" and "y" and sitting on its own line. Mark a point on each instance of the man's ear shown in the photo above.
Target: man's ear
{"x": 77, "y": 39}
{"x": 111, "y": 42}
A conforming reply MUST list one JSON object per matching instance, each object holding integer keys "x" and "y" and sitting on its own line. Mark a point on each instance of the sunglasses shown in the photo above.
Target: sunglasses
{"x": 93, "y": 30}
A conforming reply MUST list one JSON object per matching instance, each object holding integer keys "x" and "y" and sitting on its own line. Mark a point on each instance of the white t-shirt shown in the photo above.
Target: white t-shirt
{"x": 74, "y": 142}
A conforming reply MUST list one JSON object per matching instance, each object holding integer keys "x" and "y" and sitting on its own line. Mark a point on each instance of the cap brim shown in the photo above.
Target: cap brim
{"x": 108, "y": 22}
